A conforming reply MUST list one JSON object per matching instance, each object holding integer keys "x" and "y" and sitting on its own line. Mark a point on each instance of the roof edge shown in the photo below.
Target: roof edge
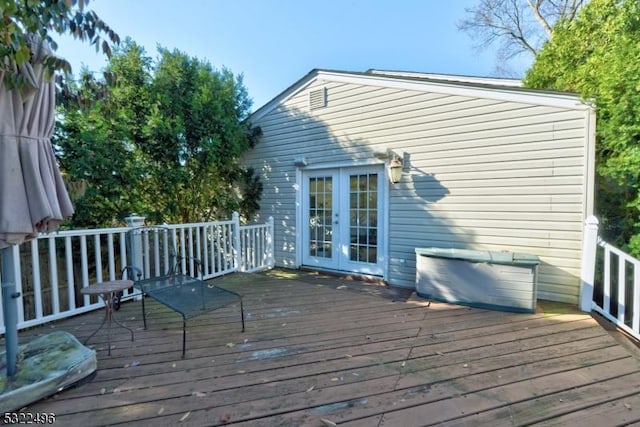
{"x": 498, "y": 81}
{"x": 464, "y": 86}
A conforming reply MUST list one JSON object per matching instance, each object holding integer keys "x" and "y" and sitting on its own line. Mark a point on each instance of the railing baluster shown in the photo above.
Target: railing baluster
{"x": 53, "y": 271}
{"x": 191, "y": 254}
{"x": 219, "y": 237}
{"x": 171, "y": 237}
{"x": 98, "y": 256}
{"x": 183, "y": 262}
{"x": 111, "y": 257}
{"x": 621, "y": 289}
{"x": 37, "y": 286}
{"x": 145, "y": 250}
{"x": 255, "y": 238}
{"x": 243, "y": 249}
{"x": 68, "y": 247}
{"x": 247, "y": 250}
{"x": 236, "y": 246}
{"x": 198, "y": 233}
{"x": 174, "y": 239}
{"x": 123, "y": 252}
{"x": 84, "y": 265}
{"x": 262, "y": 241}
{"x": 214, "y": 256}
{"x": 156, "y": 253}
{"x": 222, "y": 247}
{"x": 607, "y": 281}
{"x": 250, "y": 247}
{"x": 224, "y": 255}
{"x": 205, "y": 249}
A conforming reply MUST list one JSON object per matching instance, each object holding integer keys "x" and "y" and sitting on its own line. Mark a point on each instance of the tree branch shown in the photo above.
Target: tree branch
{"x": 537, "y": 13}
{"x": 517, "y": 25}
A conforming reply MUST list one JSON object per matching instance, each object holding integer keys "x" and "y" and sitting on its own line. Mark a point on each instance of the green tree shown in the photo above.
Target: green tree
{"x": 23, "y": 19}
{"x": 103, "y": 121}
{"x": 197, "y": 134}
{"x": 596, "y": 55}
{"x": 166, "y": 138}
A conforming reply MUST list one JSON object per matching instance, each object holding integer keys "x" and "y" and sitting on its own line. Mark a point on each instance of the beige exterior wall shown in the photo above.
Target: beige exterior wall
{"x": 485, "y": 172}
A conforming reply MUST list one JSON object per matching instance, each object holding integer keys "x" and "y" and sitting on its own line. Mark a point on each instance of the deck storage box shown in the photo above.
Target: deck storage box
{"x": 488, "y": 279}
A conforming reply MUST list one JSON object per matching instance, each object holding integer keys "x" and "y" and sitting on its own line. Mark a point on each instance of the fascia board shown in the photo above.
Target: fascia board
{"x": 525, "y": 96}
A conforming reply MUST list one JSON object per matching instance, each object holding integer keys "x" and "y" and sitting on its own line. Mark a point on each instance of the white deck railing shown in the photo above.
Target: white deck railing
{"x": 610, "y": 282}
{"x": 51, "y": 270}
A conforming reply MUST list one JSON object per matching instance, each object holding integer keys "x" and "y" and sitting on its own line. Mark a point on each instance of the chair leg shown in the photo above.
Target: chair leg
{"x": 184, "y": 335}
{"x": 144, "y": 315}
{"x": 242, "y": 313}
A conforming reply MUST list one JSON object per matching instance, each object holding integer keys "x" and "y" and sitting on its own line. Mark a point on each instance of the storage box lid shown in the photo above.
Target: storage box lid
{"x": 493, "y": 257}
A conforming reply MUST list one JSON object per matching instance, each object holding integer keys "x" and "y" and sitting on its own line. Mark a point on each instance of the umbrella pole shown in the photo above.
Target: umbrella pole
{"x": 10, "y": 310}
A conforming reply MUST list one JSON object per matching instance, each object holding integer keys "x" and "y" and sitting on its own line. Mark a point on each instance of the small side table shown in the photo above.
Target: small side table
{"x": 107, "y": 291}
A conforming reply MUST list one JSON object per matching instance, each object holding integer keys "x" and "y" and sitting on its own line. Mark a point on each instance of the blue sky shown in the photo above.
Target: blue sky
{"x": 273, "y": 43}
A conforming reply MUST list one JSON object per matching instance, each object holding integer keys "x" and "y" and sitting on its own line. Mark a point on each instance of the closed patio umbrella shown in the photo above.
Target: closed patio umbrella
{"x": 33, "y": 197}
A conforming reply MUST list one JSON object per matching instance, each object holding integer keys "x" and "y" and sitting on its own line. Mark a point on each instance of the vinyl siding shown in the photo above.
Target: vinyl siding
{"x": 484, "y": 173}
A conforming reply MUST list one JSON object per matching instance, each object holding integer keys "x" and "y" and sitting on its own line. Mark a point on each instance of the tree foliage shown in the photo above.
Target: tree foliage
{"x": 517, "y": 27}
{"x": 196, "y": 131}
{"x": 596, "y": 55}
{"x": 100, "y": 124}
{"x": 163, "y": 137}
{"x": 24, "y": 19}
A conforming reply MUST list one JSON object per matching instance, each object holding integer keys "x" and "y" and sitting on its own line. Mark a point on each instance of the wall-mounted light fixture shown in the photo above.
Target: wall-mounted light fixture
{"x": 394, "y": 167}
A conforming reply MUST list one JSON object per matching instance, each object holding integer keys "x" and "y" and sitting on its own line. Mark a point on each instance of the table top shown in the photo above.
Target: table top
{"x": 187, "y": 295}
{"x": 107, "y": 287}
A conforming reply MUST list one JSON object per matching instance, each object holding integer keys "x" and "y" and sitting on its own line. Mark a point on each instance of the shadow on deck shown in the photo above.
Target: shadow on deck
{"x": 319, "y": 350}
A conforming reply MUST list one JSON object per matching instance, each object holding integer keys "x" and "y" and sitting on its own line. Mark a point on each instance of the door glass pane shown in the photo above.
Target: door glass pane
{"x": 320, "y": 220}
{"x": 363, "y": 214}
{"x": 373, "y": 181}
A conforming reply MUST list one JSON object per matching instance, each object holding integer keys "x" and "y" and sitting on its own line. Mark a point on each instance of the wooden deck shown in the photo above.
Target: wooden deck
{"x": 320, "y": 348}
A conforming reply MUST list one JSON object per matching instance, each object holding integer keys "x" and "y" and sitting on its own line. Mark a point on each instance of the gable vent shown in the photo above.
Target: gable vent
{"x": 318, "y": 98}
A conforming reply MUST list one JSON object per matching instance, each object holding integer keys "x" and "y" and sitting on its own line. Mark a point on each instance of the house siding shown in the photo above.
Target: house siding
{"x": 484, "y": 173}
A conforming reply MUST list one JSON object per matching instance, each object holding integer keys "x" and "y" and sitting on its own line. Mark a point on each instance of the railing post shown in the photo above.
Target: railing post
{"x": 135, "y": 255}
{"x": 270, "y": 245}
{"x": 237, "y": 252}
{"x": 588, "y": 266}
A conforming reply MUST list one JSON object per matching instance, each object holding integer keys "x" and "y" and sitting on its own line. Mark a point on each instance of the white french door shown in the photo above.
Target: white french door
{"x": 342, "y": 219}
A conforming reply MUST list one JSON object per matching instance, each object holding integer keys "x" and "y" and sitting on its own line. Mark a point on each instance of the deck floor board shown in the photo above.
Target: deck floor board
{"x": 361, "y": 354}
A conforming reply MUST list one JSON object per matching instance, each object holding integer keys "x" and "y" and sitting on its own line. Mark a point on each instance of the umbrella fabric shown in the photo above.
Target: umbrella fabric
{"x": 33, "y": 197}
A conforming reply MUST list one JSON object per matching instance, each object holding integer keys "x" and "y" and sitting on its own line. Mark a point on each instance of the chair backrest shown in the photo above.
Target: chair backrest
{"x": 151, "y": 252}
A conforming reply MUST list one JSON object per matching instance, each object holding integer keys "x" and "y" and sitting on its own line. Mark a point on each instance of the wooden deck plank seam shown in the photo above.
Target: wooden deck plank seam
{"x": 329, "y": 403}
{"x": 401, "y": 347}
{"x": 397, "y": 347}
{"x": 399, "y": 374}
{"x": 480, "y": 328}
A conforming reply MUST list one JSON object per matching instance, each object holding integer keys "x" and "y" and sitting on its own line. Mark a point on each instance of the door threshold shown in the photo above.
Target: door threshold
{"x": 369, "y": 278}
